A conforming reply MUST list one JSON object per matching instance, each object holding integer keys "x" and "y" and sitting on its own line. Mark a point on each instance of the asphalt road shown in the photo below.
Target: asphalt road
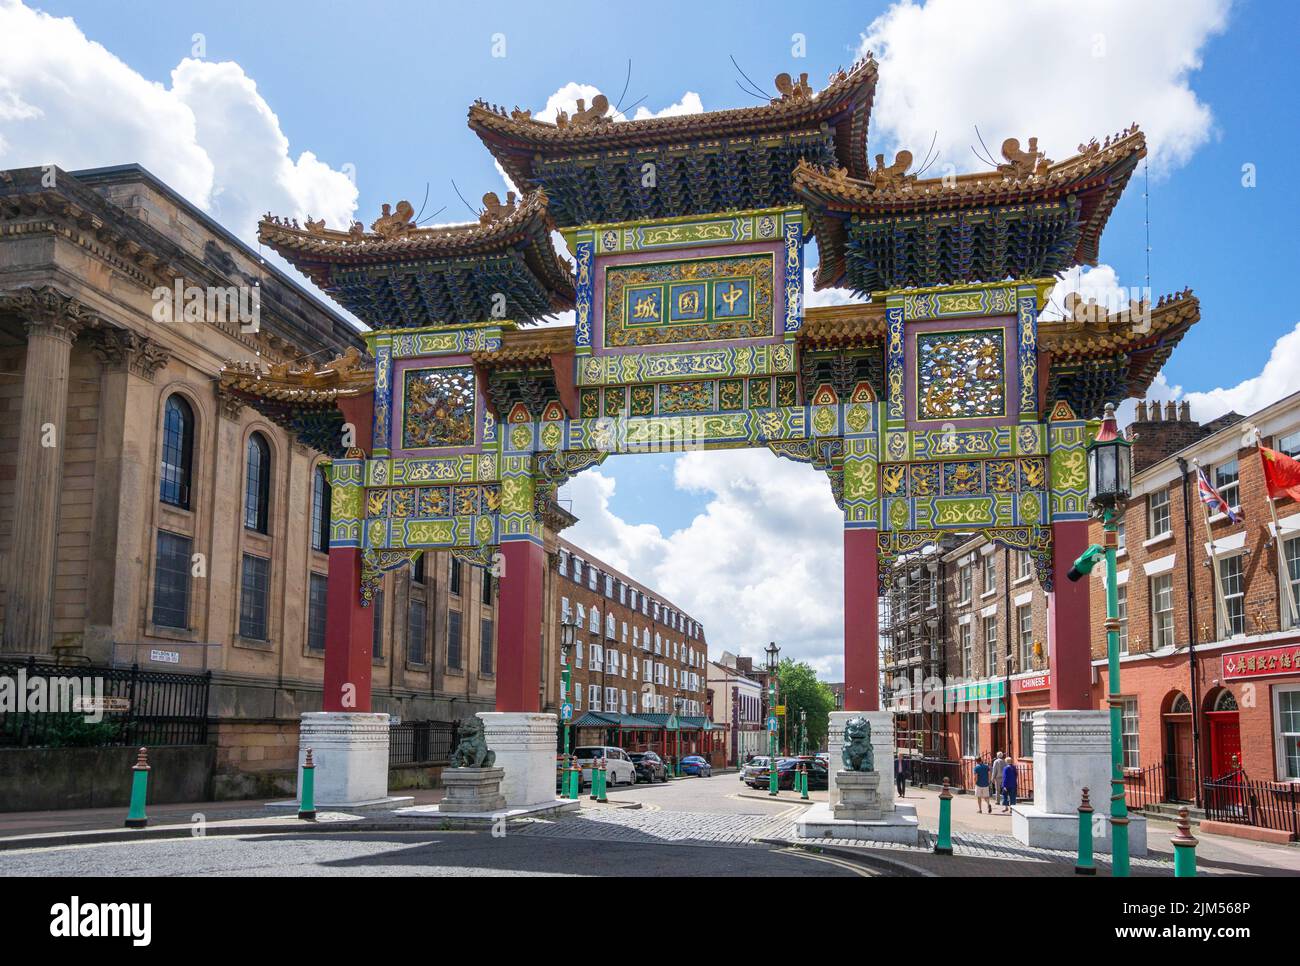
{"x": 690, "y": 827}
{"x": 416, "y": 854}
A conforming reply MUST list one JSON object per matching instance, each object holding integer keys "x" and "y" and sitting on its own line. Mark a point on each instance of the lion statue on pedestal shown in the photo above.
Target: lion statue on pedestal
{"x": 472, "y": 752}
{"x": 857, "y": 753}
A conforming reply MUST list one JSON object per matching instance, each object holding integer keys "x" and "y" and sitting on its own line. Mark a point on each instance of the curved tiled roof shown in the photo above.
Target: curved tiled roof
{"x": 516, "y": 138}
{"x": 1093, "y": 179}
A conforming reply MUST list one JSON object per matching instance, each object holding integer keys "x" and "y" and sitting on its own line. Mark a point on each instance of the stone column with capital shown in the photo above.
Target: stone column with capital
{"x": 52, "y": 320}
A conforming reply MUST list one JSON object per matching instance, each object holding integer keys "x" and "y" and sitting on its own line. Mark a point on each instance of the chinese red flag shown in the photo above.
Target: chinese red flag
{"x": 1281, "y": 474}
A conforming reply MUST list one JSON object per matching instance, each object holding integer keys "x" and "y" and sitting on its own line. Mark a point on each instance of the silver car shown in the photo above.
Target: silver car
{"x": 753, "y": 767}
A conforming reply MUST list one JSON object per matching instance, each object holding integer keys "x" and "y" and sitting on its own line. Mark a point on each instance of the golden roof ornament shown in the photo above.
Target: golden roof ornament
{"x": 790, "y": 89}
{"x": 494, "y": 210}
{"x": 392, "y": 222}
{"x": 1022, "y": 164}
{"x": 316, "y": 227}
{"x": 889, "y": 176}
{"x": 586, "y": 116}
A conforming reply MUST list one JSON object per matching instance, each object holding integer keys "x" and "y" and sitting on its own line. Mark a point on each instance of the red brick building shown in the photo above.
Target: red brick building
{"x": 639, "y": 662}
{"x": 1206, "y": 678}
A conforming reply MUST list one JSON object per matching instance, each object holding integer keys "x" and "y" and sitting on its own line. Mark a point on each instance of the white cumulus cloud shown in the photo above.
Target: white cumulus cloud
{"x": 763, "y": 561}
{"x": 1060, "y": 70}
{"x": 211, "y": 136}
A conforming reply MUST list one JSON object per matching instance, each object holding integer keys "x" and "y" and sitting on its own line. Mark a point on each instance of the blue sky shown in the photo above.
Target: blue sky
{"x": 379, "y": 91}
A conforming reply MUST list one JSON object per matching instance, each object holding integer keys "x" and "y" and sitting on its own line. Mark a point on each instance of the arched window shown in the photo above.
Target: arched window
{"x": 177, "y": 452}
{"x": 320, "y": 511}
{"x": 1181, "y": 705}
{"x": 1225, "y": 701}
{"x": 257, "y": 484}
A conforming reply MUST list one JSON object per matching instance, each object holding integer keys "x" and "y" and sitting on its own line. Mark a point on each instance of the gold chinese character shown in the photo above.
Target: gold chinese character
{"x": 731, "y": 296}
{"x": 646, "y": 307}
{"x": 688, "y": 303}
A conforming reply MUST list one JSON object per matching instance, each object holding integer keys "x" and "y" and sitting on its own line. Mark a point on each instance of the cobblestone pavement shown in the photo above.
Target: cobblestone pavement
{"x": 663, "y": 826}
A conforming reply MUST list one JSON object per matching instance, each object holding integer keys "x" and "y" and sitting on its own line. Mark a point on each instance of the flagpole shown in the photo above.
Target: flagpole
{"x": 1221, "y": 604}
{"x": 1283, "y": 572}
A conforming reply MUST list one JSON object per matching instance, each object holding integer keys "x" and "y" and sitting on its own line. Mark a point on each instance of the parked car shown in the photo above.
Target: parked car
{"x": 619, "y": 769}
{"x": 760, "y": 777}
{"x": 752, "y": 767}
{"x": 818, "y": 770}
{"x": 696, "y": 765}
{"x": 650, "y": 767}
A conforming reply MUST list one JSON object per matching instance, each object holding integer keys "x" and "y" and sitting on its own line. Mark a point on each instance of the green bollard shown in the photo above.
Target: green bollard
{"x": 573, "y": 780}
{"x": 1085, "y": 865}
{"x": 943, "y": 845}
{"x": 135, "y": 817}
{"x": 604, "y": 779}
{"x": 1184, "y": 848}
{"x": 307, "y": 805}
{"x": 803, "y": 782}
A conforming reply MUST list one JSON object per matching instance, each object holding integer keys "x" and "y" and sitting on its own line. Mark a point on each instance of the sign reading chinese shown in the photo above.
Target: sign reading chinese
{"x": 1262, "y": 662}
{"x": 1036, "y": 682}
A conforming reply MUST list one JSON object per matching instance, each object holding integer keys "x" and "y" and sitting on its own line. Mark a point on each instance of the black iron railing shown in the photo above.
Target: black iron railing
{"x": 961, "y": 774}
{"x": 83, "y": 706}
{"x": 420, "y": 743}
{"x": 1236, "y": 799}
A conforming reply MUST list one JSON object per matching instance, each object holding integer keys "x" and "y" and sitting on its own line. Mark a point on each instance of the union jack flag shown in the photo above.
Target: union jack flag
{"x": 1210, "y": 497}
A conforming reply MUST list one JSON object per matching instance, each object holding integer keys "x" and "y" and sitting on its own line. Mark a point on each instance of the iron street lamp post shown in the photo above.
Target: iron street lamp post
{"x": 566, "y": 675}
{"x": 1110, "y": 470}
{"x": 773, "y": 655}
{"x": 803, "y": 732}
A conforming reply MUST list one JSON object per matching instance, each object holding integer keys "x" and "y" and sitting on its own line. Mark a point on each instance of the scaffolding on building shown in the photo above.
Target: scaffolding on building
{"x": 912, "y": 656}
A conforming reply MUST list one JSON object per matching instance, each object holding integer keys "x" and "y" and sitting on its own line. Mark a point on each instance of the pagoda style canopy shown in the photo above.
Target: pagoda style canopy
{"x": 399, "y": 275}
{"x": 594, "y": 168}
{"x": 1029, "y": 218}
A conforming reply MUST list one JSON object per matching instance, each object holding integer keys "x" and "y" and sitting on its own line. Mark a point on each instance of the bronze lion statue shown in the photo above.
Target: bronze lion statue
{"x": 857, "y": 752}
{"x": 472, "y": 752}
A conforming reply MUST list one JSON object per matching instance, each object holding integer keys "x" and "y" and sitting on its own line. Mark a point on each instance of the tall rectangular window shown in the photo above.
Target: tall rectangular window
{"x": 1286, "y": 700}
{"x": 1234, "y": 594}
{"x": 415, "y": 632}
{"x": 1025, "y": 629}
{"x": 970, "y": 734}
{"x": 1291, "y": 549}
{"x": 990, "y": 646}
{"x": 377, "y": 628}
{"x": 320, "y": 512}
{"x": 1024, "y": 565}
{"x": 453, "y": 641}
{"x": 963, "y": 584}
{"x": 1158, "y": 520}
{"x": 1122, "y": 593}
{"x": 1162, "y": 611}
{"x": 453, "y": 582}
{"x": 990, "y": 575}
{"x": 1289, "y": 444}
{"x": 485, "y": 646}
{"x": 171, "y": 587}
{"x": 254, "y": 589}
{"x": 317, "y": 596}
{"x": 487, "y": 589}
{"x": 1129, "y": 733}
{"x": 1227, "y": 483}
{"x": 964, "y": 636}
{"x": 1026, "y": 734}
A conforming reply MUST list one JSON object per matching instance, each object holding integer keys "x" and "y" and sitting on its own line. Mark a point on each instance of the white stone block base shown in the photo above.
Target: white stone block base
{"x": 882, "y": 748}
{"x": 524, "y": 742}
{"x": 899, "y": 825}
{"x": 350, "y": 752}
{"x": 1035, "y": 827}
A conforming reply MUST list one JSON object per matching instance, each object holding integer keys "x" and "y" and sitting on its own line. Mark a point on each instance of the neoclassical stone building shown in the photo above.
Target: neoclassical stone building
{"x": 145, "y": 514}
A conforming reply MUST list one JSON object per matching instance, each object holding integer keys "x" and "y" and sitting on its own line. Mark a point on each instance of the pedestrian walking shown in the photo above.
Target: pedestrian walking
{"x": 982, "y": 780}
{"x": 1010, "y": 779}
{"x": 900, "y": 776}
{"x": 995, "y": 778}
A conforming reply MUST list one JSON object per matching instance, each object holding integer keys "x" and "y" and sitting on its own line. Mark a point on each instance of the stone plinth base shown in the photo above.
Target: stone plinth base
{"x": 472, "y": 790}
{"x": 1035, "y": 827}
{"x": 350, "y": 752}
{"x": 897, "y": 825}
{"x": 524, "y": 742}
{"x": 859, "y": 796}
{"x": 882, "y": 748}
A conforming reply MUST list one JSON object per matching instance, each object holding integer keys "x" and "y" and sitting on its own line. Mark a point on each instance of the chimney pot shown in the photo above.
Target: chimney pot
{"x": 1141, "y": 416}
{"x": 1185, "y": 411}
{"x": 1171, "y": 411}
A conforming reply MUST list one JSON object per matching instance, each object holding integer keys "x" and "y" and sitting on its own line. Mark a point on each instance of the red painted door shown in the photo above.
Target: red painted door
{"x": 1225, "y": 742}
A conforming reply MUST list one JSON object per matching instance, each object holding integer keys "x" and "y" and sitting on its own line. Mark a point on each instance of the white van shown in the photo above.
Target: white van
{"x": 619, "y": 769}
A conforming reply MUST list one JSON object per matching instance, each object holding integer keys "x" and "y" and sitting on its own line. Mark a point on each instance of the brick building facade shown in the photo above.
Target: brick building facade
{"x": 1205, "y": 681}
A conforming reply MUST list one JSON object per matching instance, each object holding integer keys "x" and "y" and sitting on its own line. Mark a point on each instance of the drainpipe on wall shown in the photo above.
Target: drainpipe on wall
{"x": 1006, "y": 623}
{"x": 1191, "y": 630}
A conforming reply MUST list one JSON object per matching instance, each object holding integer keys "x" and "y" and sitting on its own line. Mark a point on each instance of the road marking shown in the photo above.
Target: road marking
{"x": 830, "y": 860}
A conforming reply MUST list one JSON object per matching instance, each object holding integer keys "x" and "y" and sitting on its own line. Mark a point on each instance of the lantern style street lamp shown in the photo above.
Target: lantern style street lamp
{"x": 567, "y": 631}
{"x": 803, "y": 732}
{"x": 773, "y": 663}
{"x": 1110, "y": 472}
